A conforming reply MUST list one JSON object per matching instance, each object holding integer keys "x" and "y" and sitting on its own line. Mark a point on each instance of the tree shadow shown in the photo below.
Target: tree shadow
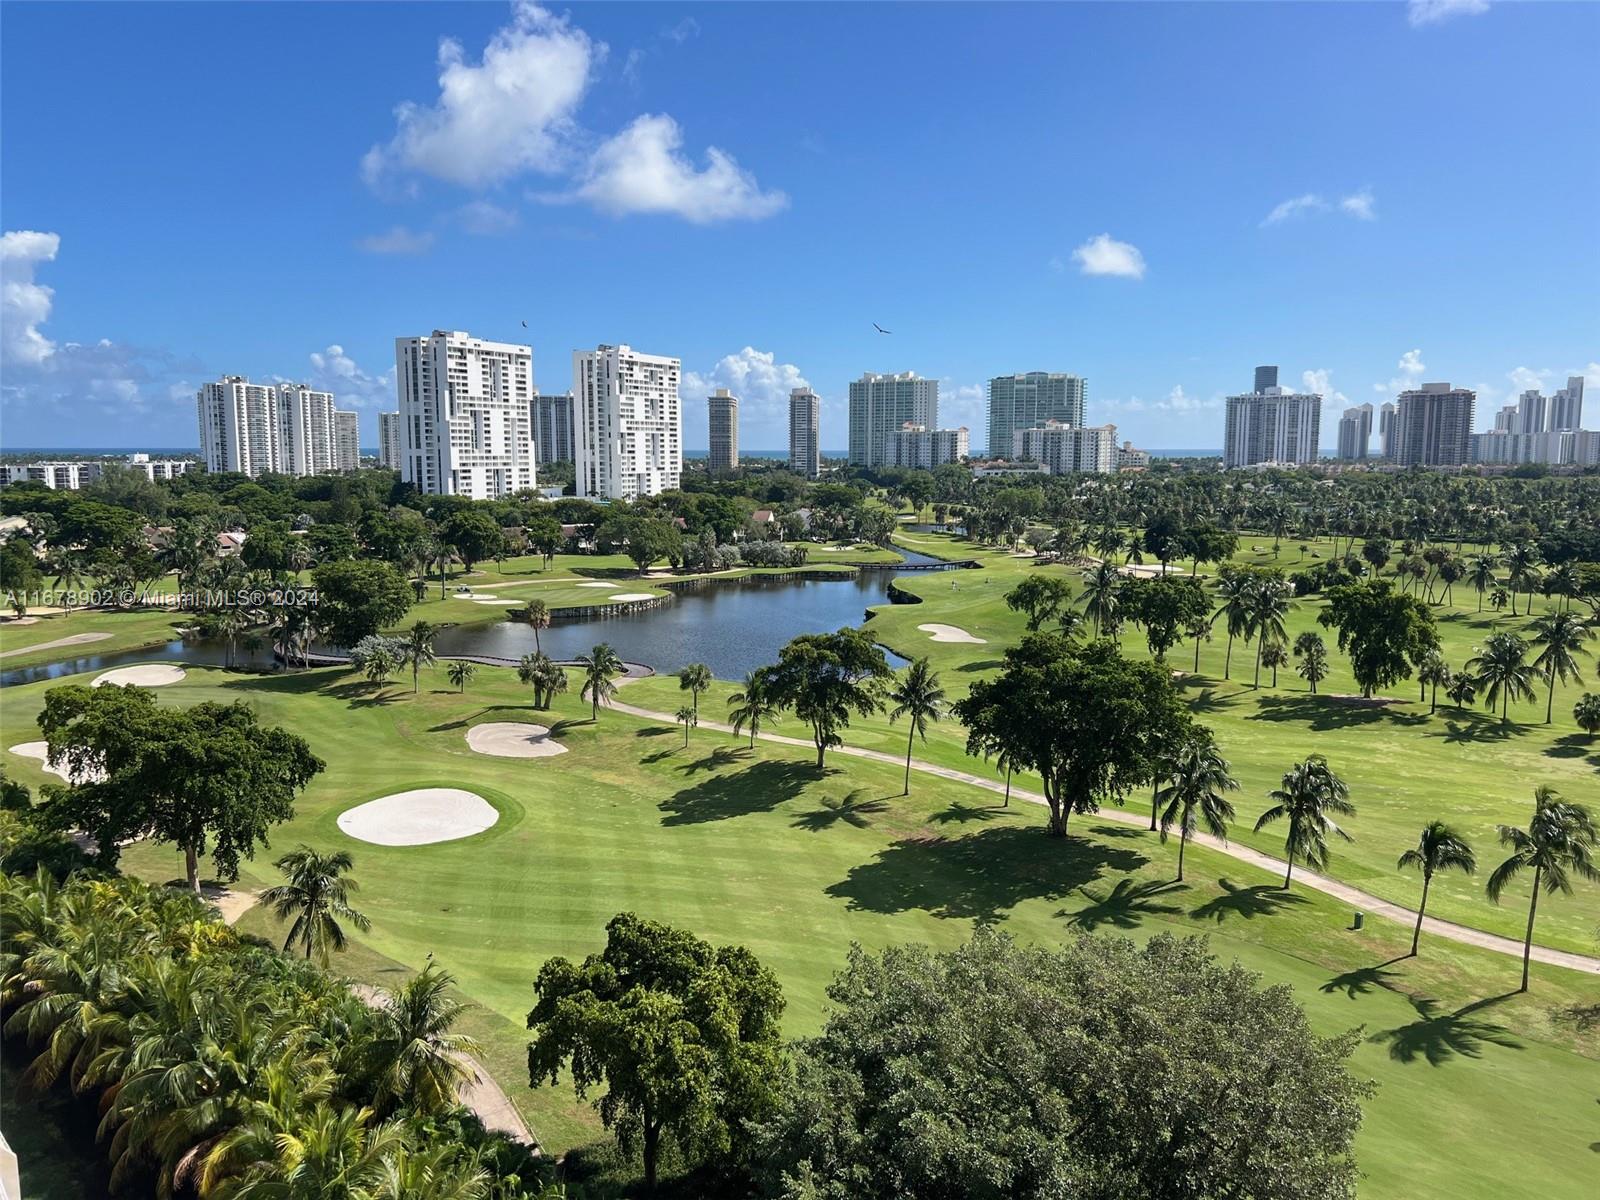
{"x": 1573, "y": 745}
{"x": 1125, "y": 832}
{"x": 1465, "y": 727}
{"x": 1124, "y": 906}
{"x": 987, "y": 664}
{"x": 1361, "y": 980}
{"x": 719, "y": 758}
{"x": 979, "y": 875}
{"x": 1439, "y": 1036}
{"x": 1210, "y": 699}
{"x": 653, "y": 731}
{"x": 1322, "y": 713}
{"x": 961, "y": 813}
{"x": 756, "y": 789}
{"x": 855, "y": 810}
{"x": 1247, "y": 903}
{"x": 1582, "y": 1017}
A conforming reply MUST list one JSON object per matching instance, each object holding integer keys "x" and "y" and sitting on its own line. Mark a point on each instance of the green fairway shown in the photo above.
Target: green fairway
{"x": 1482, "y": 1093}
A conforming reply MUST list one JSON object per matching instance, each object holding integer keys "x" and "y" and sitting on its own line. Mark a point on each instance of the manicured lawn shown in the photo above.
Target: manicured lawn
{"x": 127, "y": 629}
{"x": 1481, "y": 1093}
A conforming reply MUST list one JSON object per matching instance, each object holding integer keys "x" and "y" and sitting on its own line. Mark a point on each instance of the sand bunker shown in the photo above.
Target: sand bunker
{"x": 77, "y": 639}
{"x": 513, "y": 739}
{"x": 952, "y": 633}
{"x": 145, "y": 675}
{"x": 420, "y": 817}
{"x": 41, "y": 751}
{"x": 476, "y": 596}
{"x": 625, "y": 596}
{"x": 593, "y": 584}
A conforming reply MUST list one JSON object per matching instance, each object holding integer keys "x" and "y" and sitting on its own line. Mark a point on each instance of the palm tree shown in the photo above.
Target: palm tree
{"x": 1275, "y": 655}
{"x": 1196, "y": 780}
{"x": 1480, "y": 574}
{"x": 917, "y": 695}
{"x": 317, "y": 896}
{"x": 1521, "y": 563}
{"x": 688, "y": 718}
{"x": 1233, "y": 595}
{"x": 1433, "y": 672}
{"x": 1100, "y": 585}
{"x": 1462, "y": 688}
{"x": 1586, "y": 712}
{"x": 419, "y": 649}
{"x": 461, "y": 672}
{"x": 1503, "y": 672}
{"x": 1313, "y": 654}
{"x": 1266, "y": 607}
{"x": 1440, "y": 848}
{"x": 420, "y": 1062}
{"x": 1558, "y": 844}
{"x": 752, "y": 706}
{"x": 544, "y": 676}
{"x": 599, "y": 668}
{"x": 537, "y": 614}
{"x": 694, "y": 679}
{"x": 1309, "y": 793}
{"x": 1561, "y": 636}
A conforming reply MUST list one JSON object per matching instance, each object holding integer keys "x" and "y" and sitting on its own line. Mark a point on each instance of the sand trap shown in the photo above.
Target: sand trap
{"x": 592, "y": 584}
{"x": 77, "y": 639}
{"x": 41, "y": 750}
{"x": 476, "y": 596}
{"x": 419, "y": 817}
{"x": 952, "y": 633}
{"x": 626, "y": 596}
{"x": 22, "y": 621}
{"x": 145, "y": 675}
{"x": 513, "y": 739}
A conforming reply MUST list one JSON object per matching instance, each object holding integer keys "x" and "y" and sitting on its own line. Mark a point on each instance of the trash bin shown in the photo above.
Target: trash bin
{"x": 1360, "y": 919}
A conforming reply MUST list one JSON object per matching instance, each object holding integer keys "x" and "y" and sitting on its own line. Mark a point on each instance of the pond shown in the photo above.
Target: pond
{"x": 733, "y": 627}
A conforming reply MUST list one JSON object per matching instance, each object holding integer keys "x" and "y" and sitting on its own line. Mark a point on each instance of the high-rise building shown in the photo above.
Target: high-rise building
{"x": 722, "y": 409}
{"x": 239, "y": 428}
{"x": 1434, "y": 426}
{"x": 881, "y": 404}
{"x": 1566, "y": 406}
{"x": 805, "y": 455}
{"x": 1023, "y": 401}
{"x": 1355, "y": 432}
{"x": 1386, "y": 428}
{"x": 1532, "y": 412}
{"x": 1271, "y": 425}
{"x": 464, "y": 418}
{"x": 1068, "y": 449}
{"x": 552, "y": 428}
{"x": 346, "y": 441}
{"x": 1507, "y": 447}
{"x": 921, "y": 448}
{"x": 389, "y": 440}
{"x": 628, "y": 423}
{"x": 306, "y": 431}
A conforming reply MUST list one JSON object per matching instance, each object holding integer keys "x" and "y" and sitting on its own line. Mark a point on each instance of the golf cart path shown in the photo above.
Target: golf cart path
{"x": 1355, "y": 897}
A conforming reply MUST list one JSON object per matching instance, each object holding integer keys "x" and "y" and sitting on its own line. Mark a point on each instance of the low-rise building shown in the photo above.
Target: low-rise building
{"x": 1069, "y": 449}
{"x": 921, "y": 448}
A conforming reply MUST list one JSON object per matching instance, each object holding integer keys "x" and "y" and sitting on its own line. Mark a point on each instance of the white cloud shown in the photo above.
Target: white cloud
{"x": 641, "y": 170}
{"x": 332, "y": 370}
{"x": 509, "y": 113}
{"x": 485, "y": 219}
{"x": 762, "y": 384}
{"x": 1318, "y": 383}
{"x": 398, "y": 240}
{"x": 1299, "y": 206}
{"x": 1176, "y": 401}
{"x": 1526, "y": 379}
{"x": 1411, "y": 368}
{"x": 1431, "y": 12}
{"x": 1361, "y": 205}
{"x": 1104, "y": 255}
{"x": 26, "y": 303}
{"x": 964, "y": 404}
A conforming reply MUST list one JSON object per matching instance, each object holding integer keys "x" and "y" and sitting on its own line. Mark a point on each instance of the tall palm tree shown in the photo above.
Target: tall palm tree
{"x": 1433, "y": 672}
{"x": 317, "y": 896}
{"x": 1233, "y": 608}
{"x": 1439, "y": 848}
{"x": 544, "y": 676}
{"x": 752, "y": 706}
{"x": 1266, "y": 607}
{"x": 1313, "y": 659}
{"x": 461, "y": 672}
{"x": 421, "y": 1063}
{"x": 694, "y": 679}
{"x": 599, "y": 669}
{"x": 1521, "y": 561}
{"x": 688, "y": 718}
{"x": 1558, "y": 843}
{"x": 1197, "y": 778}
{"x": 1502, "y": 670}
{"x": 1273, "y": 656}
{"x": 1462, "y": 688}
{"x": 1100, "y": 585}
{"x": 1560, "y": 637}
{"x": 419, "y": 650}
{"x": 537, "y": 614}
{"x": 918, "y": 696}
{"x": 1310, "y": 792}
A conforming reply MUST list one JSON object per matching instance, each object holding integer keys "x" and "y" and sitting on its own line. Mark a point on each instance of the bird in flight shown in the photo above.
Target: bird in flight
{"x": 880, "y": 328}
{"x": 524, "y": 324}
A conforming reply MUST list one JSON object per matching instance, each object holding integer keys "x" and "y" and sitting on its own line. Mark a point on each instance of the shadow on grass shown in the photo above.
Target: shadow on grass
{"x": 1582, "y": 1017}
{"x": 1464, "y": 726}
{"x": 719, "y": 759}
{"x": 961, "y": 813}
{"x": 856, "y": 810}
{"x": 1439, "y": 1036}
{"x": 653, "y": 731}
{"x": 1574, "y": 745}
{"x": 1127, "y": 832}
{"x": 515, "y": 711}
{"x": 980, "y": 875}
{"x": 1361, "y": 980}
{"x": 1124, "y": 906}
{"x": 987, "y": 664}
{"x": 756, "y": 789}
{"x": 1247, "y": 903}
{"x": 1322, "y": 713}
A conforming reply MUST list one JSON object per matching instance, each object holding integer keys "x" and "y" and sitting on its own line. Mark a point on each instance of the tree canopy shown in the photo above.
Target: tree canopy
{"x": 1387, "y": 634}
{"x": 824, "y": 677}
{"x": 358, "y": 598}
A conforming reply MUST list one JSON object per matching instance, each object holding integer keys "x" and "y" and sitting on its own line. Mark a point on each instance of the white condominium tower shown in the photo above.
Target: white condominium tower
{"x": 627, "y": 421}
{"x": 346, "y": 441}
{"x": 924, "y": 449}
{"x": 1388, "y": 418}
{"x": 307, "y": 431}
{"x": 805, "y": 453}
{"x": 239, "y": 428}
{"x": 1024, "y": 401}
{"x": 722, "y": 409}
{"x": 552, "y": 428}
{"x": 1064, "y": 449}
{"x": 1355, "y": 432}
{"x": 880, "y": 405}
{"x": 1271, "y": 425}
{"x": 1434, "y": 426}
{"x": 465, "y": 427}
{"x": 1566, "y": 406}
{"x": 389, "y": 440}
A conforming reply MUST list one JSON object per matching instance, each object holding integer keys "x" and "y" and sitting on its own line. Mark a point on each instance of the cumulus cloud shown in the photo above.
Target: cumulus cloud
{"x": 1430, "y": 12}
{"x": 26, "y": 302}
{"x": 964, "y": 404}
{"x": 1104, "y": 255}
{"x": 398, "y": 240}
{"x": 332, "y": 370}
{"x": 1319, "y": 383}
{"x": 508, "y": 113}
{"x": 1411, "y": 368}
{"x": 762, "y": 384}
{"x": 642, "y": 170}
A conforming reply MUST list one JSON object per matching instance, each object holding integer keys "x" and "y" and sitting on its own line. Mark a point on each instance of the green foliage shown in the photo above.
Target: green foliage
{"x": 644, "y": 540}
{"x": 1041, "y": 598}
{"x": 473, "y": 534}
{"x": 315, "y": 898}
{"x": 1557, "y": 846}
{"x": 824, "y": 678}
{"x": 1309, "y": 799}
{"x": 1386, "y": 633}
{"x": 1166, "y": 606}
{"x": 356, "y": 599}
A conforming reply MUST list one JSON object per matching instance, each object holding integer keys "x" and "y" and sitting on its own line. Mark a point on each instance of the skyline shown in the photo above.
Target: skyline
{"x": 1160, "y": 245}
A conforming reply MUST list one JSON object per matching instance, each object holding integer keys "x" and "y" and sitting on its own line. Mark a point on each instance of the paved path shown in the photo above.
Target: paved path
{"x": 77, "y": 639}
{"x": 1355, "y": 897}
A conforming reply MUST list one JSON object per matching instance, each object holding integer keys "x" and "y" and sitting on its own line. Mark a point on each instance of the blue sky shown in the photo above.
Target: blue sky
{"x": 1157, "y": 197}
